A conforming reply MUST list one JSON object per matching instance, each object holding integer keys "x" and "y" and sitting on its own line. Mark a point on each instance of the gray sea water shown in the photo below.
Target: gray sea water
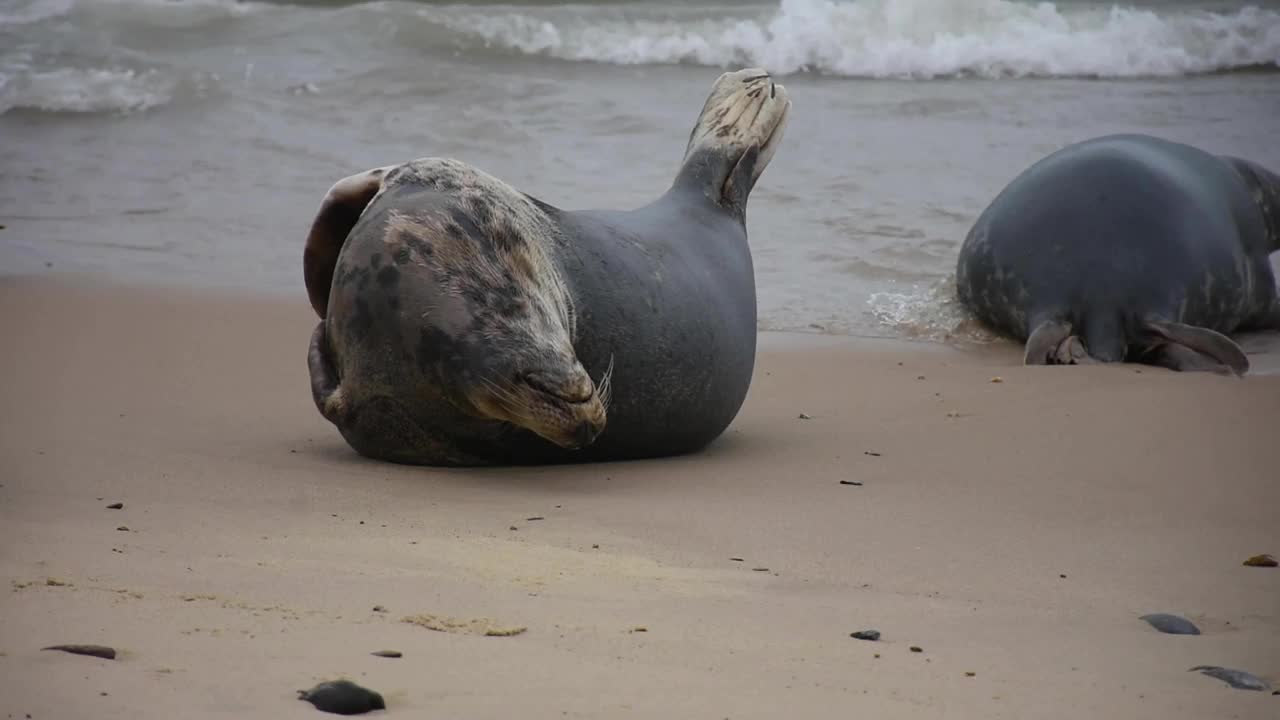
{"x": 191, "y": 141}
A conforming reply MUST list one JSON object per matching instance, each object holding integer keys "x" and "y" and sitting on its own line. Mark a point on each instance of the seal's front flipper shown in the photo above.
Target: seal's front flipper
{"x": 1190, "y": 348}
{"x": 325, "y": 390}
{"x": 338, "y": 213}
{"x": 1052, "y": 343}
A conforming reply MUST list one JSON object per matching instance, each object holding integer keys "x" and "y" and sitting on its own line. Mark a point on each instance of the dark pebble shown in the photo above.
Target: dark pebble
{"x": 123, "y": 528}
{"x": 851, "y": 482}
{"x": 872, "y": 454}
{"x": 1237, "y": 679}
{"x": 379, "y": 608}
{"x": 803, "y": 416}
{"x": 916, "y": 648}
{"x": 737, "y": 559}
{"x": 388, "y": 653}
{"x": 99, "y": 651}
{"x": 872, "y": 635}
{"x": 1261, "y": 561}
{"x": 760, "y": 569}
{"x": 343, "y": 697}
{"x": 535, "y": 517}
{"x": 116, "y": 506}
{"x": 1171, "y": 624}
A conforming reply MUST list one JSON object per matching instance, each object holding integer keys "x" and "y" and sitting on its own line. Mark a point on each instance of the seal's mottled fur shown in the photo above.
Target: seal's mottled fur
{"x": 465, "y": 322}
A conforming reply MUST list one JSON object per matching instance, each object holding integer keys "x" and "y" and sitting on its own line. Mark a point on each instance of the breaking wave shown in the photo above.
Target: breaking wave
{"x": 891, "y": 38}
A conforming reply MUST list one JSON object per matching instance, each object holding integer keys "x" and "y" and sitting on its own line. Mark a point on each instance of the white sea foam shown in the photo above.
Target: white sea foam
{"x": 895, "y": 38}
{"x": 86, "y": 90}
{"x": 931, "y": 312}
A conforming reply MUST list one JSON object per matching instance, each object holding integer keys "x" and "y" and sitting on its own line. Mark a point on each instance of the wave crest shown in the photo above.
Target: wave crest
{"x": 895, "y": 38}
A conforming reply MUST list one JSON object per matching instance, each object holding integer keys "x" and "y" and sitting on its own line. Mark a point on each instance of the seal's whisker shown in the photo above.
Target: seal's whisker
{"x": 605, "y": 388}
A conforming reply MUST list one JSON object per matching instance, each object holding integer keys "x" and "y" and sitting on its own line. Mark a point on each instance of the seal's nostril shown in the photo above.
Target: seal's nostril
{"x": 584, "y": 434}
{"x": 773, "y": 90}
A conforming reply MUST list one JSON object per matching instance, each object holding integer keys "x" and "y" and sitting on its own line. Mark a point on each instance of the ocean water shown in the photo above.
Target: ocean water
{"x": 190, "y": 141}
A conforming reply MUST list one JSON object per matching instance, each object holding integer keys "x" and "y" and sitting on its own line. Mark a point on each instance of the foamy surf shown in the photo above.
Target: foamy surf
{"x": 891, "y": 38}
{"x": 86, "y": 90}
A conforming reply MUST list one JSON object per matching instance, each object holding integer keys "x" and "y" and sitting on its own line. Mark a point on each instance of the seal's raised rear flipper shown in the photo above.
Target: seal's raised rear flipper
{"x": 1046, "y": 343}
{"x": 338, "y": 213}
{"x": 1205, "y": 349}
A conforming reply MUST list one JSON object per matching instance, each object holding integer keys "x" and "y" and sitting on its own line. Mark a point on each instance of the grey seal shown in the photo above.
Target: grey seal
{"x": 464, "y": 322}
{"x": 1128, "y": 248}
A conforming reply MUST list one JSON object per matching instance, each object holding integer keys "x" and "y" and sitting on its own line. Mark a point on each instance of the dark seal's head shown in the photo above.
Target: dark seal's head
{"x": 482, "y": 304}
{"x": 736, "y": 135}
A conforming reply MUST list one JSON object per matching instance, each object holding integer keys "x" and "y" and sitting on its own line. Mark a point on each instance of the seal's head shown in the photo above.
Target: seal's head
{"x": 737, "y": 133}
{"x": 491, "y": 318}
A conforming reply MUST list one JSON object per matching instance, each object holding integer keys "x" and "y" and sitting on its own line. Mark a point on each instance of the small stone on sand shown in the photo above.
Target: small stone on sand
{"x": 116, "y": 506}
{"x": 916, "y": 648}
{"x": 1171, "y": 624}
{"x": 872, "y": 635}
{"x": 1237, "y": 679}
{"x": 388, "y": 653}
{"x": 343, "y": 697}
{"x": 99, "y": 651}
{"x": 1261, "y": 561}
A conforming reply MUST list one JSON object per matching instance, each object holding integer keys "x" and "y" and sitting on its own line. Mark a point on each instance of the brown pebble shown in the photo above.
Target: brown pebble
{"x": 535, "y": 517}
{"x": 997, "y": 379}
{"x": 639, "y": 628}
{"x": 116, "y": 506}
{"x": 513, "y": 527}
{"x": 871, "y": 453}
{"x": 803, "y": 416}
{"x": 1261, "y": 561}
{"x": 916, "y": 648}
{"x": 737, "y": 559}
{"x": 877, "y": 656}
{"x": 123, "y": 528}
{"x": 969, "y": 673}
{"x": 919, "y": 377}
{"x": 595, "y": 546}
{"x": 388, "y": 653}
{"x": 379, "y": 608}
{"x": 100, "y": 651}
{"x": 761, "y": 569}
{"x": 851, "y": 482}
{"x": 1062, "y": 575}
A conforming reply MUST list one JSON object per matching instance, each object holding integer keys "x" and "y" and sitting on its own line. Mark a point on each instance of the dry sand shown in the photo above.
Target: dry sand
{"x": 1014, "y": 531}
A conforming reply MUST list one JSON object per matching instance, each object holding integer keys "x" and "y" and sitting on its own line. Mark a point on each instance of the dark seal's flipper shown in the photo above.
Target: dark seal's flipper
{"x": 325, "y": 389}
{"x": 1047, "y": 343}
{"x": 338, "y": 213}
{"x": 1190, "y": 348}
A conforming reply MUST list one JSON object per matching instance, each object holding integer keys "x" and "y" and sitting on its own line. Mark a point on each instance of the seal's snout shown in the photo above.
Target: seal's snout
{"x": 571, "y": 387}
{"x": 558, "y": 402}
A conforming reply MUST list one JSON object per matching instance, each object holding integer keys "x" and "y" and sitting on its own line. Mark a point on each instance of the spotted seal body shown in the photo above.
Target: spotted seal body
{"x": 1128, "y": 248}
{"x": 466, "y": 323}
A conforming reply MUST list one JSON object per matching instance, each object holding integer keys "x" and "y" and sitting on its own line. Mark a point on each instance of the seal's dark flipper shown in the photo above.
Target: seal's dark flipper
{"x": 1191, "y": 348}
{"x": 1044, "y": 345}
{"x": 338, "y": 213}
{"x": 1182, "y": 359}
{"x": 324, "y": 376}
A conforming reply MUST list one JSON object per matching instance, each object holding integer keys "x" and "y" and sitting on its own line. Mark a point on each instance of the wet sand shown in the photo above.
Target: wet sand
{"x": 1014, "y": 531}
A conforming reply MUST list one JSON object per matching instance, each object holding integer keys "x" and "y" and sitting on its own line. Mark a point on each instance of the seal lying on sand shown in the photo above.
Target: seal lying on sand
{"x": 1128, "y": 247}
{"x": 467, "y": 323}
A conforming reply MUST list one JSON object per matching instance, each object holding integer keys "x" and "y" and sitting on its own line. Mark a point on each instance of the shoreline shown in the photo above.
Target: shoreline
{"x": 1015, "y": 531}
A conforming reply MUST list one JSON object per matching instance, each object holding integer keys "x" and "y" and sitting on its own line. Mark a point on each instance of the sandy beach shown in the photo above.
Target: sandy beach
{"x": 1013, "y": 531}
